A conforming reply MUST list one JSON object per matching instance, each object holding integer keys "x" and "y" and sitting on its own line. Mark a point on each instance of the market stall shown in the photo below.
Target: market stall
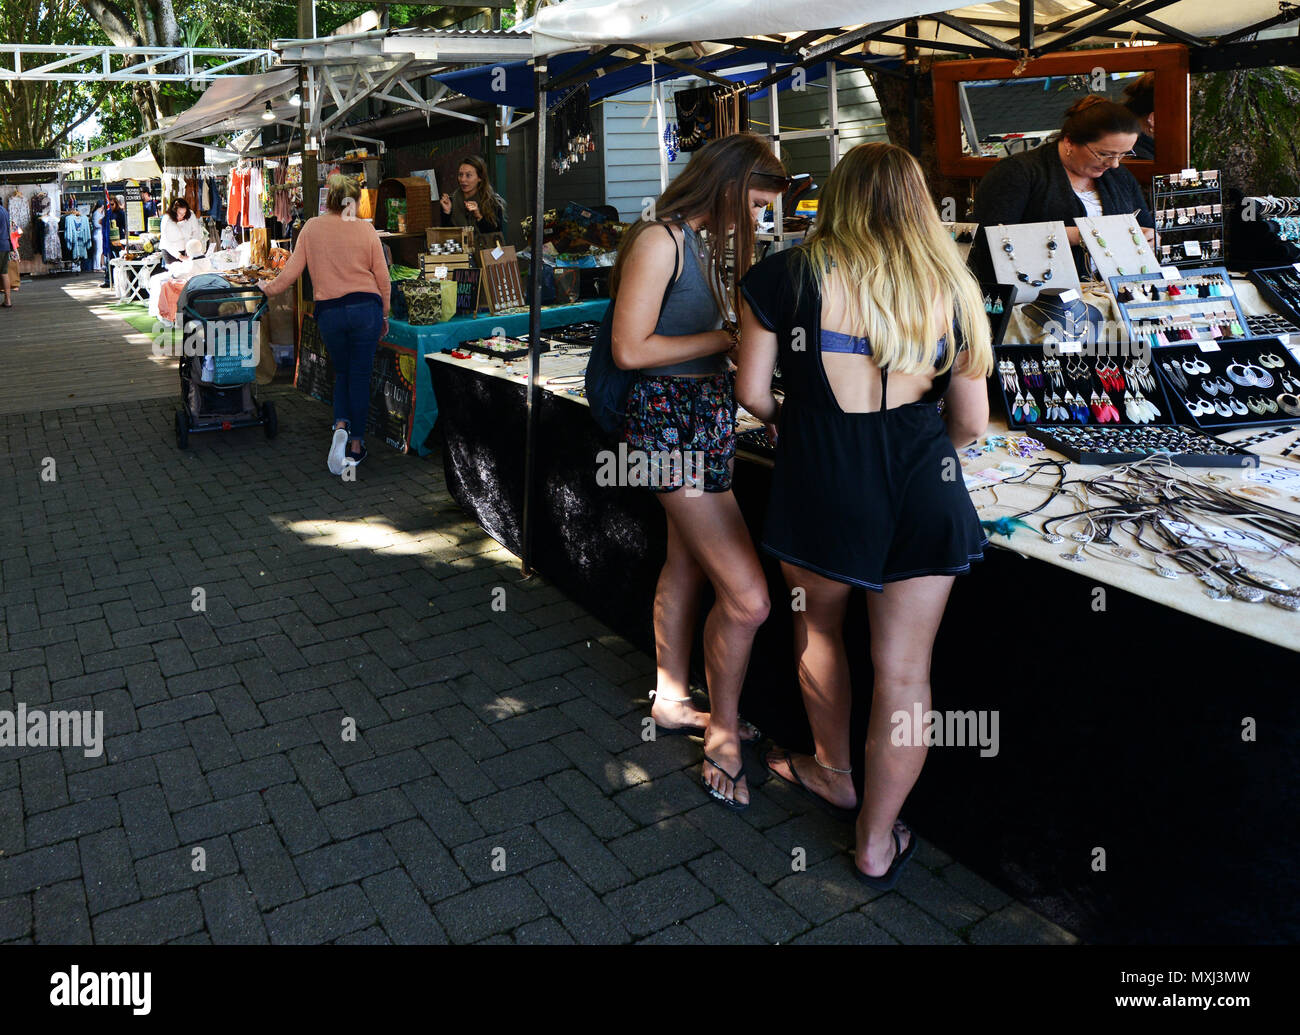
{"x": 603, "y": 545}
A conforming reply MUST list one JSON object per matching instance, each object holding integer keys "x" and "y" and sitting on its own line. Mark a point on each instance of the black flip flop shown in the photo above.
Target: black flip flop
{"x": 698, "y": 731}
{"x": 848, "y": 815}
{"x": 887, "y": 880}
{"x": 731, "y": 803}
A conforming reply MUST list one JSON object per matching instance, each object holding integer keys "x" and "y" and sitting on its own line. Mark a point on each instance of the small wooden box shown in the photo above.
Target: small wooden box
{"x": 441, "y": 237}
{"x": 419, "y": 205}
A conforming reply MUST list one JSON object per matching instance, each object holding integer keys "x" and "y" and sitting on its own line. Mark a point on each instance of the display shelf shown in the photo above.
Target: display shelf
{"x": 1280, "y": 286}
{"x": 1194, "y": 310}
{"x": 1191, "y": 213}
{"x": 1194, "y": 378}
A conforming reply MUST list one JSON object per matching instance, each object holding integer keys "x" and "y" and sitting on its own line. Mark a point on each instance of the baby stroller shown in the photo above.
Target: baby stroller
{"x": 218, "y": 361}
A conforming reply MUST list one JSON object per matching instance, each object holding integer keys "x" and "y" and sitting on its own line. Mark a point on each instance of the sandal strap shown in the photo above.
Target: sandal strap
{"x": 734, "y": 779}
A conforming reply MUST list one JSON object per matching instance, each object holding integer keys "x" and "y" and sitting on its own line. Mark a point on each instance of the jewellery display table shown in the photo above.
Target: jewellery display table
{"x": 1117, "y": 726}
{"x": 432, "y": 339}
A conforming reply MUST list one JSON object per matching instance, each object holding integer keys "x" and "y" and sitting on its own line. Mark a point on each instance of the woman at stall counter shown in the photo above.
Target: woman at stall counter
{"x": 179, "y": 227}
{"x": 351, "y": 288}
{"x": 1076, "y": 173}
{"x": 673, "y": 324}
{"x": 874, "y": 320}
{"x": 475, "y": 203}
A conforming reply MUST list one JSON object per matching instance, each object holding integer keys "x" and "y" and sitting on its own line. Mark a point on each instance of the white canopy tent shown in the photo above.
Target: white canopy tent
{"x": 585, "y": 23}
{"x": 140, "y": 166}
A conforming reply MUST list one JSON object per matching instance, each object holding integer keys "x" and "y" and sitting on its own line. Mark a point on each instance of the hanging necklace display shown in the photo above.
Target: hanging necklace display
{"x": 1116, "y": 246}
{"x": 570, "y": 128}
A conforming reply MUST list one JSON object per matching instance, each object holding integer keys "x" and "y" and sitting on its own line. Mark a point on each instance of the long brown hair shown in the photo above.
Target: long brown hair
{"x": 488, "y": 200}
{"x": 877, "y": 222}
{"x": 716, "y": 186}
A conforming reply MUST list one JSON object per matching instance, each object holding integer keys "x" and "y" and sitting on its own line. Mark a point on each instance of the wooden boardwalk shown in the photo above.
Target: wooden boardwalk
{"x": 61, "y": 345}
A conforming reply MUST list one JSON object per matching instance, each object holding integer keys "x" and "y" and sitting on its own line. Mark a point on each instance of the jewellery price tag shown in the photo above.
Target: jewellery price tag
{"x": 1192, "y": 249}
{"x": 1171, "y": 272}
{"x": 1282, "y": 478}
{"x": 1297, "y": 266}
{"x": 1070, "y": 347}
{"x": 440, "y": 273}
{"x": 1189, "y": 174}
{"x": 497, "y": 252}
{"x": 1069, "y": 296}
{"x": 1209, "y": 345}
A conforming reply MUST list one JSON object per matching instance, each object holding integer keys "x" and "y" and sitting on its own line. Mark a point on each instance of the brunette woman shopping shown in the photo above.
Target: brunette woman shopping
{"x": 874, "y": 320}
{"x": 673, "y": 323}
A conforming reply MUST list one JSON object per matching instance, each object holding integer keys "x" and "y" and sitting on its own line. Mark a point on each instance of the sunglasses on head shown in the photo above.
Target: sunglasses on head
{"x": 781, "y": 183}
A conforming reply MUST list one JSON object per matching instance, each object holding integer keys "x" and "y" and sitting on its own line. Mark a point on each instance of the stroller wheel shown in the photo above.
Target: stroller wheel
{"x": 270, "y": 423}
{"x": 182, "y": 430}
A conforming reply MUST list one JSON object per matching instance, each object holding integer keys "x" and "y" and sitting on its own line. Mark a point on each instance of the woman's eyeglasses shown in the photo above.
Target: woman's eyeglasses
{"x": 1110, "y": 156}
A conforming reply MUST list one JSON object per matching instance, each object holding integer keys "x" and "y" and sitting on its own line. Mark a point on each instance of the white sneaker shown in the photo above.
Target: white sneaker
{"x": 337, "y": 448}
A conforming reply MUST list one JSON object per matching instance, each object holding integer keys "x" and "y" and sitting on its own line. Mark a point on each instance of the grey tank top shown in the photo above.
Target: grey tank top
{"x": 690, "y": 309}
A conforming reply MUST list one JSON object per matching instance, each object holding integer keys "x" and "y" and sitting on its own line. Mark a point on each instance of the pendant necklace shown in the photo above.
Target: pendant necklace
{"x": 1021, "y": 276}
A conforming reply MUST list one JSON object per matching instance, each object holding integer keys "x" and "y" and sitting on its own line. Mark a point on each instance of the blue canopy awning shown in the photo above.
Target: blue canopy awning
{"x": 485, "y": 83}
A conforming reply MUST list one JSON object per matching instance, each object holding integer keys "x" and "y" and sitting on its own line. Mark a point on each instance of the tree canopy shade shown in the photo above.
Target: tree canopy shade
{"x": 44, "y": 114}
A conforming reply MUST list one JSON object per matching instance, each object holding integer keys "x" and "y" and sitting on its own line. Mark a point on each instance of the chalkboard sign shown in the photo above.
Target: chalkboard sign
{"x": 392, "y": 384}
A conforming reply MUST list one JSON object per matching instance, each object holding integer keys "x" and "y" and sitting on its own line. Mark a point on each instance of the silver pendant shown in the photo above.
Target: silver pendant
{"x": 1165, "y": 573}
{"x": 1077, "y": 556}
{"x": 1214, "y": 593}
{"x": 1125, "y": 552}
{"x": 1052, "y": 537}
{"x": 1286, "y": 601}
{"x": 1250, "y": 594}
{"x": 1269, "y": 580}
{"x": 1081, "y": 537}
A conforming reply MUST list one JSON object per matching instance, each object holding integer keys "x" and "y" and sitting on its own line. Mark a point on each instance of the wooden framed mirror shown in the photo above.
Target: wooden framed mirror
{"x": 984, "y": 110}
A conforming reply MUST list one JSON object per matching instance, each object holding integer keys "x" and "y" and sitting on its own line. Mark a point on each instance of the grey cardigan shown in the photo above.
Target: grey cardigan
{"x": 1032, "y": 187}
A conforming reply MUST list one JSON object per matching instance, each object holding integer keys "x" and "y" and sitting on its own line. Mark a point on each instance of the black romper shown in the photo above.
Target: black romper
{"x": 864, "y": 498}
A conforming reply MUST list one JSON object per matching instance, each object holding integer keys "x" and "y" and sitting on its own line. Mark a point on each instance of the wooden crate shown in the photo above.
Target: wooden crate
{"x": 419, "y": 204}
{"x": 442, "y": 234}
{"x": 429, "y": 262}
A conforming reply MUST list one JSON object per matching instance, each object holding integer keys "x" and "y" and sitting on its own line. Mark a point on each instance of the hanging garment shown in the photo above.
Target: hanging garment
{"x": 205, "y": 196}
{"x": 256, "y": 217}
{"x": 76, "y": 232}
{"x": 19, "y": 211}
{"x": 238, "y": 192}
{"x": 218, "y": 212}
{"x": 52, "y": 247}
{"x": 282, "y": 212}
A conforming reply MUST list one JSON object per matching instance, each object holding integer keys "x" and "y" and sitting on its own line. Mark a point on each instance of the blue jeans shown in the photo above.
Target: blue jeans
{"x": 351, "y": 333}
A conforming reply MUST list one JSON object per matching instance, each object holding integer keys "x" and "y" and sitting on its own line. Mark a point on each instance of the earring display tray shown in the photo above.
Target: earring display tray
{"x": 1268, "y": 325}
{"x": 1110, "y": 445}
{"x": 1150, "y": 304}
{"x": 1188, "y": 212}
{"x": 999, "y": 306}
{"x": 964, "y": 235}
{"x": 501, "y": 348}
{"x": 1280, "y": 286}
{"x": 1031, "y": 256}
{"x": 1116, "y": 246}
{"x": 1068, "y": 388}
{"x": 1234, "y": 385}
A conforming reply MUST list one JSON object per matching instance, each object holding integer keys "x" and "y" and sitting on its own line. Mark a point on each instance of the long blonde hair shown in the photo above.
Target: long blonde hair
{"x": 877, "y": 223}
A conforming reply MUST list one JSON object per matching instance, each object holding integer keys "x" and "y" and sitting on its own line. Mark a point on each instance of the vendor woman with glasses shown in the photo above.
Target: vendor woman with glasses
{"x": 1076, "y": 173}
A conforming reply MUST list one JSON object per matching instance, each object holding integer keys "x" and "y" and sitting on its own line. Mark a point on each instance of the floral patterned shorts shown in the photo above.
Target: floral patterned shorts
{"x": 686, "y": 426}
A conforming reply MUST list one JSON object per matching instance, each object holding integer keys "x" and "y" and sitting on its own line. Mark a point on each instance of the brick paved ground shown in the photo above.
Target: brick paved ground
{"x": 497, "y": 788}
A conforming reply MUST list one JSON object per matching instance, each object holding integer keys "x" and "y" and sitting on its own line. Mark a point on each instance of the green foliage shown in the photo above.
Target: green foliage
{"x": 1245, "y": 124}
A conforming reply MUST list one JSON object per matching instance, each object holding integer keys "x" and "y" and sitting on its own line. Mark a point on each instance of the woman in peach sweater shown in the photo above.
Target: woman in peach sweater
{"x": 350, "y": 287}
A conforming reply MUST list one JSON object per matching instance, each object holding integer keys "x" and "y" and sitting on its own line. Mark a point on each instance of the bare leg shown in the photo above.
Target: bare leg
{"x": 677, "y": 600}
{"x": 824, "y": 680}
{"x": 714, "y": 533}
{"x": 904, "y": 620}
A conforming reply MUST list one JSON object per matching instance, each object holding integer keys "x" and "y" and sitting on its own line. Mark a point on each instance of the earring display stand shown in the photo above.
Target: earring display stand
{"x": 1188, "y": 210}
{"x": 1124, "y": 251}
{"x": 1030, "y": 257}
{"x": 1199, "y": 393}
{"x": 964, "y": 235}
{"x": 1157, "y": 305}
{"x": 1280, "y": 286}
{"x": 1067, "y": 388}
{"x": 500, "y": 287}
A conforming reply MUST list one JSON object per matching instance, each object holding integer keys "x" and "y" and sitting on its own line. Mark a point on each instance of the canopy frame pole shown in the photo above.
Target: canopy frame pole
{"x": 533, "y": 402}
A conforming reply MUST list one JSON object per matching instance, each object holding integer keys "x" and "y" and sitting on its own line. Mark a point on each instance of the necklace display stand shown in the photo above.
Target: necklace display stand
{"x": 1029, "y": 258}
{"x": 1116, "y": 246}
{"x": 964, "y": 235}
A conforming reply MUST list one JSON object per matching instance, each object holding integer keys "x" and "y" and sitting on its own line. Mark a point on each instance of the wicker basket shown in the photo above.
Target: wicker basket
{"x": 419, "y": 203}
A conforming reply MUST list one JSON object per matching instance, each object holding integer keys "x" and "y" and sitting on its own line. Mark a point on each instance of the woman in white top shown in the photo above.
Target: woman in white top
{"x": 97, "y": 234}
{"x": 179, "y": 227}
